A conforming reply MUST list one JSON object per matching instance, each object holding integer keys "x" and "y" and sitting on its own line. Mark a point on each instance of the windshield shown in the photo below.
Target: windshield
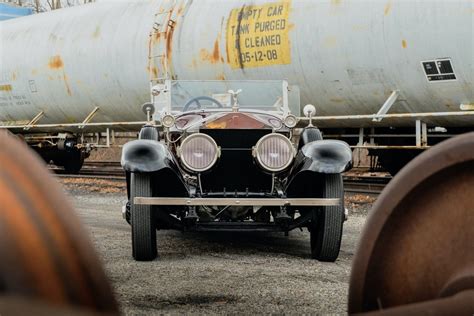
{"x": 187, "y": 95}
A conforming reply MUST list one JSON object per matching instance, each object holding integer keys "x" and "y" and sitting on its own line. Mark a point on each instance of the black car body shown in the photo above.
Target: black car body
{"x": 218, "y": 162}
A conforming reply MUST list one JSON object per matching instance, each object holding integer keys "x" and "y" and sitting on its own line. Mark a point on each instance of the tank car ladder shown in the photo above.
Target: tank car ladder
{"x": 165, "y": 21}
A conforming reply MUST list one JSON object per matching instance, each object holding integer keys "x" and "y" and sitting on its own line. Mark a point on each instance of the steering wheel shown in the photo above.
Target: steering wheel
{"x": 197, "y": 99}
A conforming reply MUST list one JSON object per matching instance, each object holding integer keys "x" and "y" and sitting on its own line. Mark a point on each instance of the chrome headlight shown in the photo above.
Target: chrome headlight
{"x": 198, "y": 152}
{"x": 274, "y": 152}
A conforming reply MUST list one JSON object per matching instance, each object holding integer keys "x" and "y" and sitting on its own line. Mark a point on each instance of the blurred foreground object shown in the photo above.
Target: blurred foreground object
{"x": 416, "y": 253}
{"x": 47, "y": 264}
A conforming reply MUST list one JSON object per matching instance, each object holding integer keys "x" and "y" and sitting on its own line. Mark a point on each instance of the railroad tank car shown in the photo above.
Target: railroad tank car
{"x": 82, "y": 68}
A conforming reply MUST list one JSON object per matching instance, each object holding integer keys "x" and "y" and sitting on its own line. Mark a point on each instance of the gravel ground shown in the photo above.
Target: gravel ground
{"x": 217, "y": 273}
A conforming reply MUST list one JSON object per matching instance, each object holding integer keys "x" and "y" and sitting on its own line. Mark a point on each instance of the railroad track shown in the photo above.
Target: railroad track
{"x": 107, "y": 170}
{"x": 365, "y": 184}
{"x": 112, "y": 170}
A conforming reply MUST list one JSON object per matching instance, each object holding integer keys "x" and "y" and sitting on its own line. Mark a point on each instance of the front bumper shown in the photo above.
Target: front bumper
{"x": 235, "y": 201}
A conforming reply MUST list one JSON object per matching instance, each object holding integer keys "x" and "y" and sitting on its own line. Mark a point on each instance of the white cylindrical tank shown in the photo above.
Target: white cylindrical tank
{"x": 347, "y": 57}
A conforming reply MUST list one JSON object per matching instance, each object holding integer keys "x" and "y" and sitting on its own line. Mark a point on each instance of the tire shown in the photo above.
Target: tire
{"x": 326, "y": 231}
{"x": 309, "y": 135}
{"x": 149, "y": 132}
{"x": 73, "y": 162}
{"x": 142, "y": 219}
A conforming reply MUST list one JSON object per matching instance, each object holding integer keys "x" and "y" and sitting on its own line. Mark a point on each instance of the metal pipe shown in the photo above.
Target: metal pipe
{"x": 386, "y": 106}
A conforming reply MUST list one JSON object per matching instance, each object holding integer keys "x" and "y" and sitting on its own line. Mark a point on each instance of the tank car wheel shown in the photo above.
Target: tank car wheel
{"x": 142, "y": 219}
{"x": 326, "y": 230}
{"x": 415, "y": 251}
{"x": 73, "y": 163}
{"x": 47, "y": 259}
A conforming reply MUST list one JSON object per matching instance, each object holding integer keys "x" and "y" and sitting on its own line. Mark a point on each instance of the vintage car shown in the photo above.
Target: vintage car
{"x": 228, "y": 156}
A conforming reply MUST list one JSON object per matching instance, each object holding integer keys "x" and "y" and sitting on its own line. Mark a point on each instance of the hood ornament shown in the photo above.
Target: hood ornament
{"x": 235, "y": 102}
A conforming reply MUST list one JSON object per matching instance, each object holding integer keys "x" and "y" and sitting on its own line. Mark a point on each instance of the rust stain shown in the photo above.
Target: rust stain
{"x": 6, "y": 88}
{"x": 169, "y": 42}
{"x": 194, "y": 63}
{"x": 291, "y": 26}
{"x": 330, "y": 42}
{"x": 388, "y": 8}
{"x": 221, "y": 77}
{"x": 214, "y": 57}
{"x": 215, "y": 52}
{"x": 14, "y": 76}
{"x": 166, "y": 36}
{"x": 404, "y": 44}
{"x": 96, "y": 33}
{"x": 205, "y": 55}
{"x": 180, "y": 9}
{"x": 155, "y": 72}
{"x": 34, "y": 71}
{"x": 66, "y": 82}
{"x": 150, "y": 45}
{"x": 336, "y": 2}
{"x": 56, "y": 62}
{"x": 50, "y": 78}
{"x": 360, "y": 27}
{"x": 337, "y": 100}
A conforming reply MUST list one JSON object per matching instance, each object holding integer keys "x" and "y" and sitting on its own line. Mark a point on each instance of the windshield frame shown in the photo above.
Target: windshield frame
{"x": 162, "y": 97}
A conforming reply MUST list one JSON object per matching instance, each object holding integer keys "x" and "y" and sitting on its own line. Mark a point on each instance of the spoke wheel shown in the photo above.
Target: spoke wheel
{"x": 143, "y": 223}
{"x": 326, "y": 229}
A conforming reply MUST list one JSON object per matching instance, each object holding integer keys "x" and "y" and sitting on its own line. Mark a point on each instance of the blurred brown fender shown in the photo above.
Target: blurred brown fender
{"x": 416, "y": 253}
{"x": 45, "y": 255}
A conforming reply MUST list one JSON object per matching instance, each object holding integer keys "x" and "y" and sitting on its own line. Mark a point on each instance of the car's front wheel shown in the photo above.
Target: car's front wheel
{"x": 142, "y": 220}
{"x": 326, "y": 228}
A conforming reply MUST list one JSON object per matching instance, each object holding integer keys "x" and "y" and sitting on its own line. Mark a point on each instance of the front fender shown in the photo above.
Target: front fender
{"x": 143, "y": 156}
{"x": 313, "y": 161}
{"x": 327, "y": 156}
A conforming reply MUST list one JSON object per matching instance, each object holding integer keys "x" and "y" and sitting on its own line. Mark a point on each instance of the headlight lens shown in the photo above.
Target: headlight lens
{"x": 198, "y": 152}
{"x": 274, "y": 152}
